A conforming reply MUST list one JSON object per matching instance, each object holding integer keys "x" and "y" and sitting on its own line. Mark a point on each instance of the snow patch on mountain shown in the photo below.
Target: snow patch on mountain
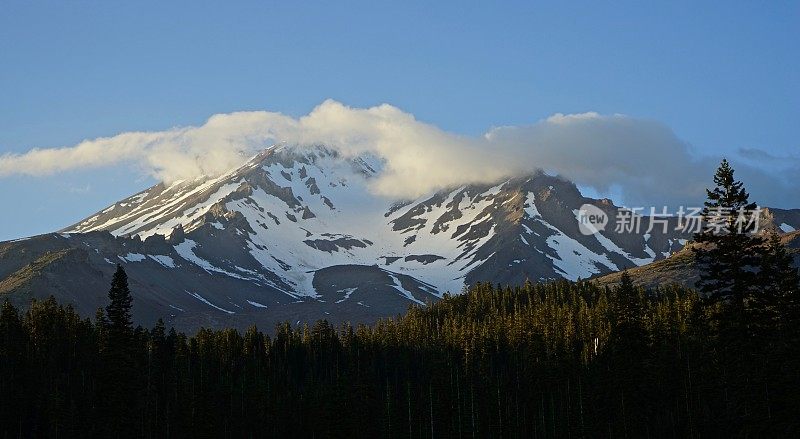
{"x": 133, "y": 257}
{"x": 256, "y": 304}
{"x": 186, "y": 251}
{"x": 203, "y": 299}
{"x": 347, "y": 293}
{"x": 165, "y": 261}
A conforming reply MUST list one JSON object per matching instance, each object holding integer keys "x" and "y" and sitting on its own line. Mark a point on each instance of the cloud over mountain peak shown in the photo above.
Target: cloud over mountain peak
{"x": 642, "y": 158}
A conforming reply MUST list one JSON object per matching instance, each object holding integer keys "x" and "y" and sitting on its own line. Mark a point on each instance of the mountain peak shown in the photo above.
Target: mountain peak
{"x": 302, "y": 225}
{"x": 308, "y": 208}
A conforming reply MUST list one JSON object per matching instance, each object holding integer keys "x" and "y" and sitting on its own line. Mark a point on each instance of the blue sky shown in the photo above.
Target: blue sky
{"x": 722, "y": 75}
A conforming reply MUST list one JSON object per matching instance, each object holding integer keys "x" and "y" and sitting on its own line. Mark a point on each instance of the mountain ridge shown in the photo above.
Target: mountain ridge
{"x": 296, "y": 234}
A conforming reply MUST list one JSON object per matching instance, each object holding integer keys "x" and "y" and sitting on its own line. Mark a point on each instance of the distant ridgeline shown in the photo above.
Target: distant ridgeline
{"x": 297, "y": 234}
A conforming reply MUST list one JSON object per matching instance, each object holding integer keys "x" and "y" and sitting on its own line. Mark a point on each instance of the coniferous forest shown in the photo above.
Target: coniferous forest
{"x": 561, "y": 359}
{"x": 550, "y": 360}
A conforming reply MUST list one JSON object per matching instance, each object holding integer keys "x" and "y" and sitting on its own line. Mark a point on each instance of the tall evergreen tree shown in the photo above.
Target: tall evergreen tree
{"x": 13, "y": 341}
{"x": 778, "y": 279}
{"x": 117, "y": 382}
{"x": 628, "y": 306}
{"x": 777, "y": 329}
{"x": 729, "y": 253}
{"x": 118, "y": 312}
{"x": 728, "y": 250}
{"x": 628, "y": 343}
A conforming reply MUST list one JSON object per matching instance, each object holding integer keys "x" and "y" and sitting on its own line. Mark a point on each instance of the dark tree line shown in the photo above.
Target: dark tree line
{"x": 547, "y": 360}
{"x": 561, "y": 359}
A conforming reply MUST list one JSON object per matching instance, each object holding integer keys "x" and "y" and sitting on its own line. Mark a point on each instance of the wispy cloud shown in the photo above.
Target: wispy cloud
{"x": 643, "y": 158}
{"x": 85, "y": 189}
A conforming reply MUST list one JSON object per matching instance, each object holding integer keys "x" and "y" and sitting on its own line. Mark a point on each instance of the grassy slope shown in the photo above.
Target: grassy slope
{"x": 679, "y": 268}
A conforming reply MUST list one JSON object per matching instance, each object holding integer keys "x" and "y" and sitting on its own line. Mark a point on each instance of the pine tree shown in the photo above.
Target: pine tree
{"x": 13, "y": 341}
{"x": 628, "y": 305}
{"x": 728, "y": 251}
{"x": 628, "y": 346}
{"x": 776, "y": 326}
{"x": 120, "y": 324}
{"x": 728, "y": 255}
{"x": 118, "y": 378}
{"x": 778, "y": 298}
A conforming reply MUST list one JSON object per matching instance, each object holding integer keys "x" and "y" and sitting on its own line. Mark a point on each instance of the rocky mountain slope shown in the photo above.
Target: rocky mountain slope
{"x": 296, "y": 234}
{"x": 680, "y": 269}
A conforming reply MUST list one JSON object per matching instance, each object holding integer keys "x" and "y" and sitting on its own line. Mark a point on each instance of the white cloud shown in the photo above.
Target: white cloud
{"x": 644, "y": 158}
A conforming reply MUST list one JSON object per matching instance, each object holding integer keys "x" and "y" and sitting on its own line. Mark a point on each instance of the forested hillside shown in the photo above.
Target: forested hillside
{"x": 549, "y": 360}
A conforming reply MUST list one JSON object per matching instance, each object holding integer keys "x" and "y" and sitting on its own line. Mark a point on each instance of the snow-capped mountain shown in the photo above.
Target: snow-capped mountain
{"x": 296, "y": 234}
